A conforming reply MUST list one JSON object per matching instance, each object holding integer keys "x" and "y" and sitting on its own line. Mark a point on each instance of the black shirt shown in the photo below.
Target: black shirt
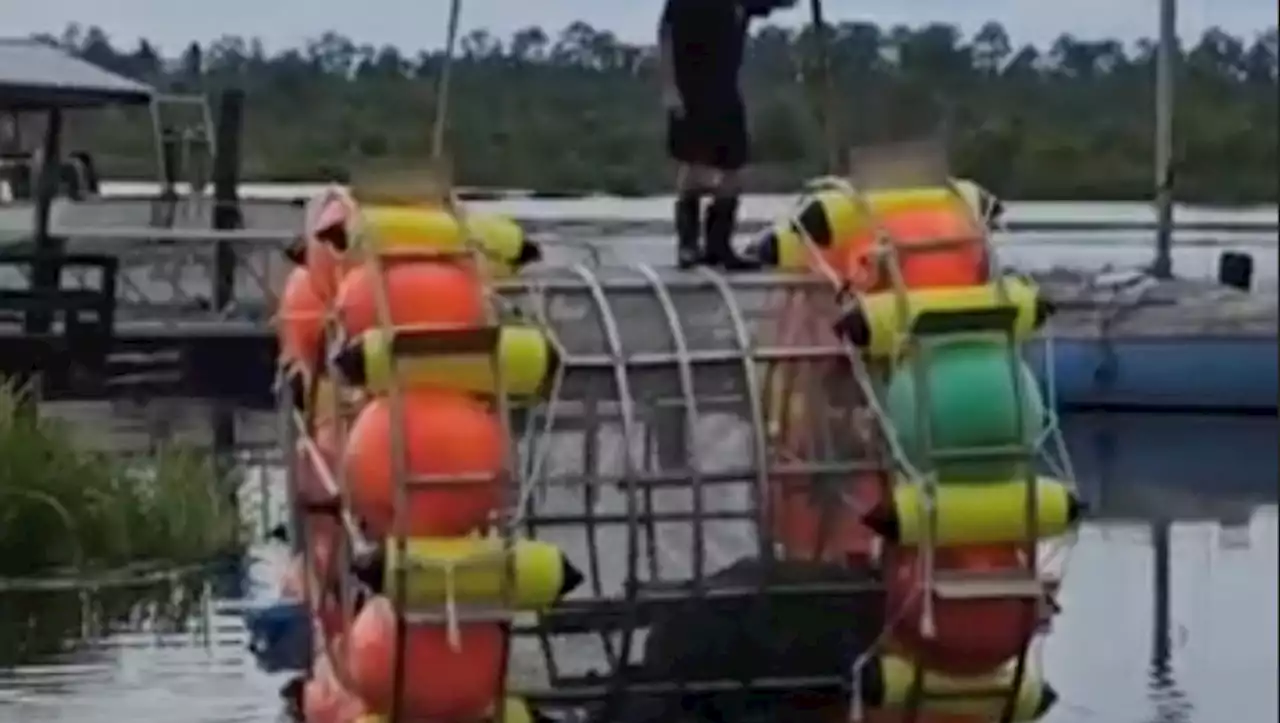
{"x": 707, "y": 42}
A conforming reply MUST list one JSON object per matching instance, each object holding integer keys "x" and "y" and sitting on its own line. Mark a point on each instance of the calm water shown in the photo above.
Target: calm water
{"x": 1210, "y": 484}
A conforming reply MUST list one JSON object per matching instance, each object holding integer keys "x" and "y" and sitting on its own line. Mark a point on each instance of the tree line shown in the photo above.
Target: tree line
{"x": 579, "y": 109}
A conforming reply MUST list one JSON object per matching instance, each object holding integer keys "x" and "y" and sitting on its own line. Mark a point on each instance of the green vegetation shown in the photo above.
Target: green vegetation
{"x": 65, "y": 511}
{"x": 580, "y": 110}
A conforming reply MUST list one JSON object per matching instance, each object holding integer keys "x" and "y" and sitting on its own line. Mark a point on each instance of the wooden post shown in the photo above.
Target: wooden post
{"x": 46, "y": 269}
{"x": 226, "y": 201}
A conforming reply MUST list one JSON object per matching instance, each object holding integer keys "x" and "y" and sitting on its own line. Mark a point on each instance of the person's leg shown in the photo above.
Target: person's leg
{"x": 681, "y": 148}
{"x": 722, "y": 214}
{"x": 688, "y": 216}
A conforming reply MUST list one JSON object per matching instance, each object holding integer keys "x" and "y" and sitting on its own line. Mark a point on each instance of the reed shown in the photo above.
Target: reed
{"x": 68, "y": 511}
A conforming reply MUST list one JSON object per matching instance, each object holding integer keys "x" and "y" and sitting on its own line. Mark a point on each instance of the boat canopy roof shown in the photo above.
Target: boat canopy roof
{"x": 36, "y": 76}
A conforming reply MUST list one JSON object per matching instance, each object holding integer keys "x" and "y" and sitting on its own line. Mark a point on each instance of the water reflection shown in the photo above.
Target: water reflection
{"x": 1171, "y": 602}
{"x": 1169, "y": 612}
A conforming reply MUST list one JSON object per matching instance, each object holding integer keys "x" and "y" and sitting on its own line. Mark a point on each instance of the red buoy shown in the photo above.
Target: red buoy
{"x": 445, "y": 682}
{"x": 973, "y": 637}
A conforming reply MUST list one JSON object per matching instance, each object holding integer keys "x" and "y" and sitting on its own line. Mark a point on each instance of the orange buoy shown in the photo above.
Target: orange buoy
{"x": 973, "y": 636}
{"x": 319, "y": 699}
{"x": 809, "y": 527}
{"x": 446, "y": 434}
{"x": 418, "y": 293}
{"x": 300, "y": 320}
{"x": 324, "y": 700}
{"x": 448, "y": 682}
{"x": 956, "y": 265}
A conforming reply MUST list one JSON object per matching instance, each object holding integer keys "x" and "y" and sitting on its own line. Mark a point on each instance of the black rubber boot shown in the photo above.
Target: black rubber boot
{"x": 688, "y": 230}
{"x": 722, "y": 219}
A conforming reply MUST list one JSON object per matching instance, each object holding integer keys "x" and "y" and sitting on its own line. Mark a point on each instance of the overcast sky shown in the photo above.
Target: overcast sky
{"x": 414, "y": 24}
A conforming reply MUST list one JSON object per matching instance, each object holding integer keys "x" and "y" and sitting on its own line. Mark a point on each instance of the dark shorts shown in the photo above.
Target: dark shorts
{"x": 710, "y": 134}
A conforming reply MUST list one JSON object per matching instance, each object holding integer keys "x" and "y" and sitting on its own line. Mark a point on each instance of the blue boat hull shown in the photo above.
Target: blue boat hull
{"x": 1194, "y": 374}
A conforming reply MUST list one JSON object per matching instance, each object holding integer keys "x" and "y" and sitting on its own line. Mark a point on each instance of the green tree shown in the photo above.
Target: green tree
{"x": 578, "y": 109}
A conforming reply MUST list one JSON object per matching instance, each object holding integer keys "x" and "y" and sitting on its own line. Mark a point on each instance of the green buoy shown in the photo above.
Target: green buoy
{"x": 973, "y": 406}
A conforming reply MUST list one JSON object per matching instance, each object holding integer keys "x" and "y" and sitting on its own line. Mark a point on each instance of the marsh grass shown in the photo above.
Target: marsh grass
{"x": 68, "y": 511}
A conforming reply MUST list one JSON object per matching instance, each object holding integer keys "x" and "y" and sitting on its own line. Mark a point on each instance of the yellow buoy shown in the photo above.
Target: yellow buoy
{"x": 889, "y": 685}
{"x": 391, "y": 230}
{"x": 525, "y": 356}
{"x": 976, "y": 513}
{"x": 475, "y": 569}
{"x": 514, "y": 710}
{"x": 823, "y": 218}
{"x": 877, "y": 326}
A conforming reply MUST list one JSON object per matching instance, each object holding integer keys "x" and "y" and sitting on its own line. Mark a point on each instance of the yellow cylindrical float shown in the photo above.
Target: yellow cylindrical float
{"x": 976, "y": 513}
{"x": 824, "y": 218}
{"x": 889, "y": 684}
{"x": 474, "y": 570}
{"x": 877, "y": 325}
{"x": 389, "y": 230}
{"x": 525, "y": 357}
{"x": 514, "y": 710}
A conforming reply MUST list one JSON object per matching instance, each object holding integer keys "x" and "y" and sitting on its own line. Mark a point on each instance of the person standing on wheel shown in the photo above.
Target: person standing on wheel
{"x": 701, "y": 44}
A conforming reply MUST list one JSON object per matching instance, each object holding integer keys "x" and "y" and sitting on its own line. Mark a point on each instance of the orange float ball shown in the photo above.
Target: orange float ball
{"x": 446, "y": 434}
{"x": 324, "y": 700}
{"x": 319, "y": 695}
{"x": 962, "y": 265}
{"x": 444, "y": 682}
{"x": 300, "y": 320}
{"x": 973, "y": 637}
{"x": 428, "y": 293}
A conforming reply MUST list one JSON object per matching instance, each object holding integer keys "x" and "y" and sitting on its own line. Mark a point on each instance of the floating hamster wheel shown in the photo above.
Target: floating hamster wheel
{"x": 632, "y": 494}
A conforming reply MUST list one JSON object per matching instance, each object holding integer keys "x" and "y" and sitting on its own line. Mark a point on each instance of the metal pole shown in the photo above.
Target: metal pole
{"x": 825, "y": 104}
{"x": 1166, "y": 66}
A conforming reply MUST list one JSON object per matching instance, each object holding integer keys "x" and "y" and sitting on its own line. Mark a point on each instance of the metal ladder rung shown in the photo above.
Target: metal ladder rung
{"x": 980, "y": 587}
